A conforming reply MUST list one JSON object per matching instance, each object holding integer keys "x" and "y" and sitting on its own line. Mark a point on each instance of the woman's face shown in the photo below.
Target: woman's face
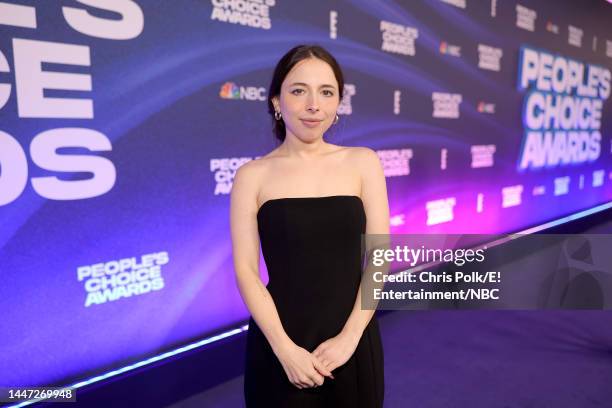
{"x": 309, "y": 99}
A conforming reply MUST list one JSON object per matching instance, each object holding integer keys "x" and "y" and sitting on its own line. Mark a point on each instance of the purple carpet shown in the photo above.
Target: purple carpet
{"x": 483, "y": 359}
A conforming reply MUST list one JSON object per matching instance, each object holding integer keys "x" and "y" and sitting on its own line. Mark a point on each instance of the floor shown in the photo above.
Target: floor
{"x": 483, "y": 359}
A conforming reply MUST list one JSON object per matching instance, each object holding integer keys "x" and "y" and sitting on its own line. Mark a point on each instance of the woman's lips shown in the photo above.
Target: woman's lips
{"x": 311, "y": 123}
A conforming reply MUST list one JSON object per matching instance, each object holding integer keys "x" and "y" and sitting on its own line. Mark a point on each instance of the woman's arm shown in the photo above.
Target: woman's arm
{"x": 298, "y": 363}
{"x": 376, "y": 205}
{"x": 336, "y": 351}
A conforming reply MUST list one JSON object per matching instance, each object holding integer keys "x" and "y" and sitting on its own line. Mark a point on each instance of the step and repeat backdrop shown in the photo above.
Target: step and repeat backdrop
{"x": 122, "y": 124}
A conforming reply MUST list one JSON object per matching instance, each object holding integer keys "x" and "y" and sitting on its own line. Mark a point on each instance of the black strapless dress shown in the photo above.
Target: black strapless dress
{"x": 312, "y": 250}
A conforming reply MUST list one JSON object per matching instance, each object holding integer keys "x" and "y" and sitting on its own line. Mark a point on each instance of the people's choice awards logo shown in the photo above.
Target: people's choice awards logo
{"x": 250, "y": 13}
{"x": 395, "y": 162}
{"x": 122, "y": 278}
{"x": 346, "y": 107}
{"x": 562, "y": 111}
{"x": 525, "y": 18}
{"x": 512, "y": 196}
{"x": 482, "y": 155}
{"x": 41, "y": 66}
{"x": 398, "y": 39}
{"x": 440, "y": 211}
{"x": 489, "y": 58}
{"x": 446, "y": 105}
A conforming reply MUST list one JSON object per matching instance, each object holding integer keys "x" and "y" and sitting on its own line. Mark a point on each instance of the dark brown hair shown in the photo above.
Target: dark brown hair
{"x": 286, "y": 63}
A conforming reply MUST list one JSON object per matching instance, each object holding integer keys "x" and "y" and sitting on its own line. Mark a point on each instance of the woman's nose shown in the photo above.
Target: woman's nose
{"x": 312, "y": 104}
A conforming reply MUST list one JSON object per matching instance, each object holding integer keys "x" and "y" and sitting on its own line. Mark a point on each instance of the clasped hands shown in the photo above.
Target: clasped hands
{"x": 305, "y": 369}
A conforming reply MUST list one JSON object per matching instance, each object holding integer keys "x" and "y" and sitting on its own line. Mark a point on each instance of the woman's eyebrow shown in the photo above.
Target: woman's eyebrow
{"x": 306, "y": 85}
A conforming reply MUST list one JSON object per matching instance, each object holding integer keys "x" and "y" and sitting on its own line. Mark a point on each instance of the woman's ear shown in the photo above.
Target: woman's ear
{"x": 275, "y": 103}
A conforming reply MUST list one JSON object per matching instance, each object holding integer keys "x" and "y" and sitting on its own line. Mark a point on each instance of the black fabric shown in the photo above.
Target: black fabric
{"x": 312, "y": 250}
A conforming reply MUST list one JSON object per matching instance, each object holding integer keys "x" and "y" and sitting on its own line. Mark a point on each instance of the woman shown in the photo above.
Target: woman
{"x": 309, "y": 343}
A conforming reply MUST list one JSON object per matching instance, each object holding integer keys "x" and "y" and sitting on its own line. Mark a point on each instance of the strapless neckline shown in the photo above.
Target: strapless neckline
{"x": 273, "y": 200}
{"x": 313, "y": 251}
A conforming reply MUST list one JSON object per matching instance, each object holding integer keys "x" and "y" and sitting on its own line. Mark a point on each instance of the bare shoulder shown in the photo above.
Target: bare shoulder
{"x": 249, "y": 170}
{"x": 247, "y": 180}
{"x": 364, "y": 158}
{"x": 373, "y": 189}
{"x": 251, "y": 175}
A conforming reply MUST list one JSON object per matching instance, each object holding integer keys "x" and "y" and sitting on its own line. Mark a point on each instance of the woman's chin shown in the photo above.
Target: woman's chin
{"x": 308, "y": 137}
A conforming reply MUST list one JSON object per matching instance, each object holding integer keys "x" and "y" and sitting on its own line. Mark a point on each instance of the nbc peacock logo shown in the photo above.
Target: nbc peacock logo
{"x": 443, "y": 47}
{"x": 450, "y": 49}
{"x": 229, "y": 90}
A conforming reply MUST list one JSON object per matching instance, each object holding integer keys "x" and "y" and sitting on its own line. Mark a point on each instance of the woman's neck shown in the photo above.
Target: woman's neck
{"x": 293, "y": 147}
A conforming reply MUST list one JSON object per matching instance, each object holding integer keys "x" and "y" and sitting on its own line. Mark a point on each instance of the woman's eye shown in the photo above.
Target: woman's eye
{"x": 297, "y": 91}
{"x": 328, "y": 93}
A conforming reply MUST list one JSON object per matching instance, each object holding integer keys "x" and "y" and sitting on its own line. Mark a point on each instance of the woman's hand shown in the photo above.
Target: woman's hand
{"x": 336, "y": 351}
{"x": 302, "y": 368}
